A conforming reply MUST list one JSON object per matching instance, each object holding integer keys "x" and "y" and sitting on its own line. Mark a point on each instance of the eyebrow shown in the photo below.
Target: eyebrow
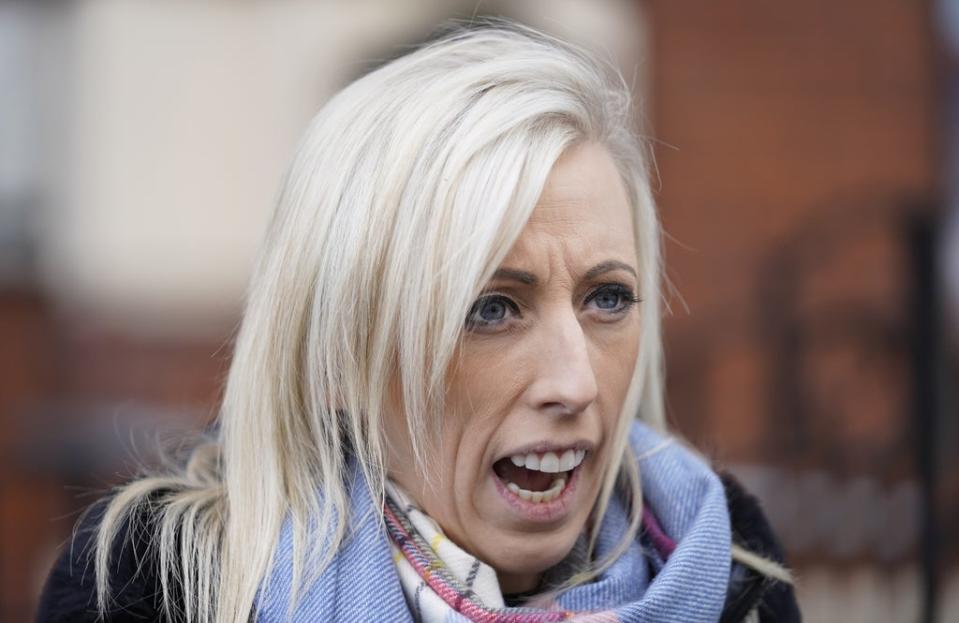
{"x": 607, "y": 266}
{"x": 515, "y": 275}
{"x": 530, "y": 279}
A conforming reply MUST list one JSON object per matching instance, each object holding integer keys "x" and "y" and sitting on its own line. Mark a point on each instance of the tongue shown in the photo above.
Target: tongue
{"x": 528, "y": 479}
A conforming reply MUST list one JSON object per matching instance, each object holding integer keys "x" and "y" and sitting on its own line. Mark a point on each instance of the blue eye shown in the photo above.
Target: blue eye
{"x": 613, "y": 298}
{"x": 607, "y": 300}
{"x": 489, "y": 311}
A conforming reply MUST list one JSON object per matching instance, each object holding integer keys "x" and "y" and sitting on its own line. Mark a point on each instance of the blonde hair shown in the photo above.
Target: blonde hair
{"x": 405, "y": 193}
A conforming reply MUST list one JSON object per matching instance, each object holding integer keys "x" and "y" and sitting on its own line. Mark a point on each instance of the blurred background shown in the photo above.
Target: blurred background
{"x": 807, "y": 177}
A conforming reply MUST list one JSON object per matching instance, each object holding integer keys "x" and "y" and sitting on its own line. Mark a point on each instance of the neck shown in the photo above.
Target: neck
{"x": 512, "y": 583}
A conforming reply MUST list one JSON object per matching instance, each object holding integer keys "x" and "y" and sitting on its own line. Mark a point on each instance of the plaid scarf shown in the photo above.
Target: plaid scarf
{"x": 680, "y": 578}
{"x": 440, "y": 580}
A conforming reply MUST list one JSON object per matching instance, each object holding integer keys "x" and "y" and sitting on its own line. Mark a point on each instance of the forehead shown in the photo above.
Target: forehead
{"x": 584, "y": 204}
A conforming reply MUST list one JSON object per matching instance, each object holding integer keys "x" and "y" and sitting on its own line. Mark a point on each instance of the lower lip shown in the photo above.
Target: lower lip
{"x": 540, "y": 512}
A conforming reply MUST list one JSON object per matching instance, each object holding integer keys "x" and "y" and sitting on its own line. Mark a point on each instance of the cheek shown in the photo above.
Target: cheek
{"x": 614, "y": 359}
{"x": 481, "y": 392}
{"x": 485, "y": 382}
{"x": 435, "y": 490}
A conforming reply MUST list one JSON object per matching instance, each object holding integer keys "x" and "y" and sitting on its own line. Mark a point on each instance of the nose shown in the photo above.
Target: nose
{"x": 565, "y": 382}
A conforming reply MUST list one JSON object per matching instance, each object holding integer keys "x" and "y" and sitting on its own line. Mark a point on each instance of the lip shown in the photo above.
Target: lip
{"x": 540, "y": 512}
{"x": 541, "y": 447}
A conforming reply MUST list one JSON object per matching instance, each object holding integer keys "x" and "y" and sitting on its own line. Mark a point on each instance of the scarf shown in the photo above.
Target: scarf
{"x": 444, "y": 583}
{"x": 687, "y": 584}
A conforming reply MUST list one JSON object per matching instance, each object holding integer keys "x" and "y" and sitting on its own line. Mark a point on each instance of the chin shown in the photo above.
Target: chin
{"x": 530, "y": 554}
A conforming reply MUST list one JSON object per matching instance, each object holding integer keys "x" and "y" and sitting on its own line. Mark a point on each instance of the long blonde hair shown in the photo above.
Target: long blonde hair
{"x": 407, "y": 190}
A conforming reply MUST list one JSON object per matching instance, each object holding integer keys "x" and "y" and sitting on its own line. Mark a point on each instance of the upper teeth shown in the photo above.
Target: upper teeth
{"x": 549, "y": 462}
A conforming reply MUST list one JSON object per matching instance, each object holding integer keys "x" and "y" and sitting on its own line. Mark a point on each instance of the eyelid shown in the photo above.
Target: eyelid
{"x": 496, "y": 327}
{"x": 612, "y": 285}
{"x": 619, "y": 288}
{"x": 494, "y": 294}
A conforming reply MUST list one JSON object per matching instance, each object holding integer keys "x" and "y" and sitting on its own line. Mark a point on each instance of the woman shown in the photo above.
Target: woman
{"x": 431, "y": 409}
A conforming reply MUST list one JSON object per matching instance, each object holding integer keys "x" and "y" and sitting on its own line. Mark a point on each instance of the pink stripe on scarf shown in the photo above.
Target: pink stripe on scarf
{"x": 456, "y": 600}
{"x": 661, "y": 541}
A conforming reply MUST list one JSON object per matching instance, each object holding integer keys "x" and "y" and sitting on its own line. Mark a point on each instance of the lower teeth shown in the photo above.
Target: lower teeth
{"x": 539, "y": 496}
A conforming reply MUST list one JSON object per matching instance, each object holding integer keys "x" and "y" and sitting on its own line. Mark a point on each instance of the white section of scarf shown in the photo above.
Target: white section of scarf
{"x": 425, "y": 605}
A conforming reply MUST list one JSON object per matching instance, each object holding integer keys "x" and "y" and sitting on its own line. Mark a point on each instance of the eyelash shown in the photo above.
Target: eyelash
{"x": 472, "y": 324}
{"x": 627, "y": 299}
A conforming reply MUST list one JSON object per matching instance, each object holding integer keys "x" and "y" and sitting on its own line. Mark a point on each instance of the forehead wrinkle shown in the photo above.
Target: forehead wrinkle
{"x": 560, "y": 211}
{"x": 571, "y": 248}
{"x": 582, "y": 218}
{"x": 554, "y": 254}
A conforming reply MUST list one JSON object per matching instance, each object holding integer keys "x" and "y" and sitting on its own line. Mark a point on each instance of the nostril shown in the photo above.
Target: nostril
{"x": 558, "y": 408}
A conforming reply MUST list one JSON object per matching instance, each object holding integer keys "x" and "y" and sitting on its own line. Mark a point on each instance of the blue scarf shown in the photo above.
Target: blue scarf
{"x": 361, "y": 583}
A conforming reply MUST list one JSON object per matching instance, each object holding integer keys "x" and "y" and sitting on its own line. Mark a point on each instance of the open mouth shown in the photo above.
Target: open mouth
{"x": 538, "y": 477}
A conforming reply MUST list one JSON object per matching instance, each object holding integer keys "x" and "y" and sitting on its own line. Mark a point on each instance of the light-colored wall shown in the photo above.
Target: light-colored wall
{"x": 181, "y": 119}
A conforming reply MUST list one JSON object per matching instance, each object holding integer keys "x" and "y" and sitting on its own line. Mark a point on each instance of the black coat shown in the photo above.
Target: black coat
{"x": 70, "y": 594}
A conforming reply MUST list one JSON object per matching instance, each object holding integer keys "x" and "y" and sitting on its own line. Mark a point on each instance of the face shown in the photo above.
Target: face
{"x": 540, "y": 377}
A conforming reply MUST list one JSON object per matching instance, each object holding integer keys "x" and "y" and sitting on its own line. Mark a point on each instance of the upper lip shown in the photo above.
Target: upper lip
{"x": 541, "y": 447}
